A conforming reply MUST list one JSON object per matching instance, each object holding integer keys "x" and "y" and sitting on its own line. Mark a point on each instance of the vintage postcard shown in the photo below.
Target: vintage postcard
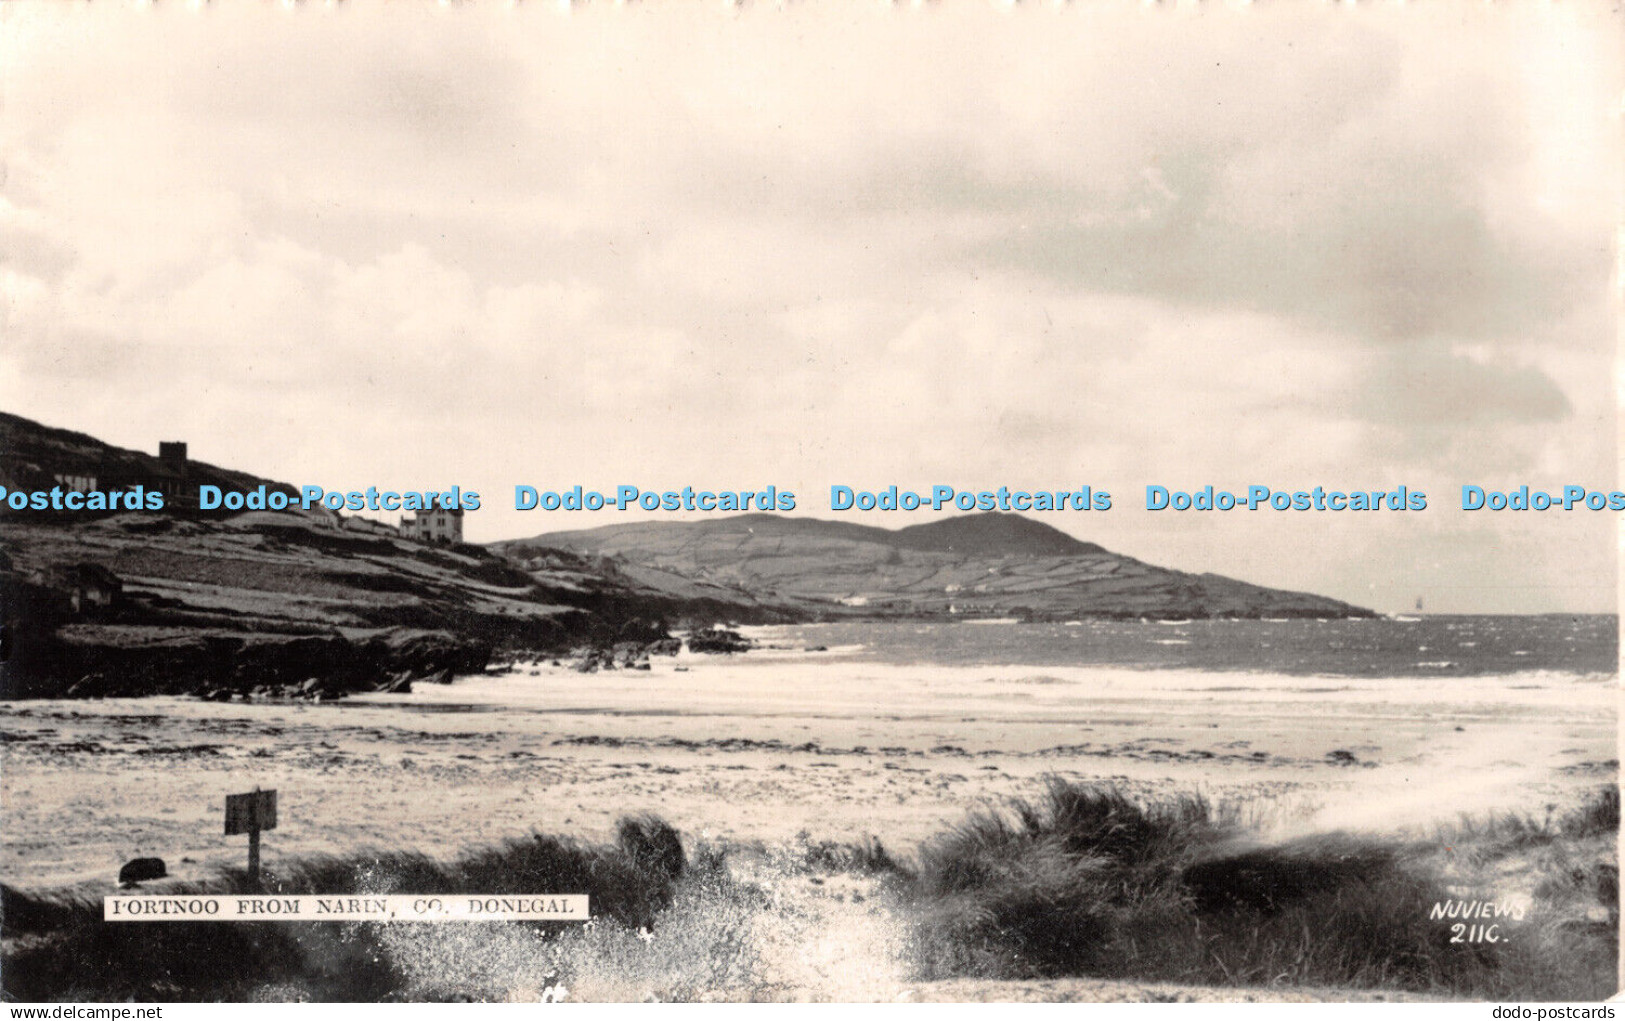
{"x": 818, "y": 501}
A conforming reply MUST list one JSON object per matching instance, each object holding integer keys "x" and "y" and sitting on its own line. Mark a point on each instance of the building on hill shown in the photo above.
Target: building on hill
{"x": 323, "y": 517}
{"x": 81, "y": 464}
{"x": 87, "y": 586}
{"x": 367, "y": 526}
{"x": 172, "y": 474}
{"x": 168, "y": 474}
{"x": 435, "y": 525}
{"x": 75, "y": 483}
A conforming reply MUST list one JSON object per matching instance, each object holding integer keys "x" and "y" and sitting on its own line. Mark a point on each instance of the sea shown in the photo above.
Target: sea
{"x": 1405, "y": 646}
{"x": 1006, "y": 669}
{"x": 1547, "y": 681}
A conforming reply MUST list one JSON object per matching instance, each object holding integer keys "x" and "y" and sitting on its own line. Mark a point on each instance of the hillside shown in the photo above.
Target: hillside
{"x": 975, "y": 565}
{"x": 35, "y": 456}
{"x": 991, "y": 535}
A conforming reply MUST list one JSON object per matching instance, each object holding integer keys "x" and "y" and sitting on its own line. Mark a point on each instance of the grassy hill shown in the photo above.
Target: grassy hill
{"x": 33, "y": 455}
{"x": 979, "y": 565}
{"x": 274, "y": 604}
{"x": 284, "y": 603}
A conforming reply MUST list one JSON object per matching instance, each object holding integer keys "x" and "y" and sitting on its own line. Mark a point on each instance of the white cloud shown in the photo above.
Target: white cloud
{"x": 1097, "y": 244}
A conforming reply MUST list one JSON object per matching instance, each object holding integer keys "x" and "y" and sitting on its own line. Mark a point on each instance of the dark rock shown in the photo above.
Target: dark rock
{"x": 425, "y": 652}
{"x": 631, "y": 655}
{"x": 641, "y": 631}
{"x": 717, "y": 640}
{"x": 590, "y": 659}
{"x": 91, "y": 660}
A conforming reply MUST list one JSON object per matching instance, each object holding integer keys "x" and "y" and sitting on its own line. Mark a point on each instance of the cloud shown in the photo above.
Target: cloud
{"x": 1444, "y": 389}
{"x": 824, "y": 245}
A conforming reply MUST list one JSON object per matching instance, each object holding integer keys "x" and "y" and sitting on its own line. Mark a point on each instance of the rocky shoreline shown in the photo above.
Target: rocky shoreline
{"x": 635, "y": 655}
{"x": 98, "y": 661}
{"x": 102, "y": 661}
{"x": 76, "y": 633}
{"x": 249, "y": 611}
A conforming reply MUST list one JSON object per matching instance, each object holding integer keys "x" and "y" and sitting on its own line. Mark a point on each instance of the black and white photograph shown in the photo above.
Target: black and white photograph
{"x": 1089, "y": 501}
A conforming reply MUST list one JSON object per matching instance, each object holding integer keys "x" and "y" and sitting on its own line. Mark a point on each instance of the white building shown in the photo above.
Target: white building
{"x": 436, "y": 525}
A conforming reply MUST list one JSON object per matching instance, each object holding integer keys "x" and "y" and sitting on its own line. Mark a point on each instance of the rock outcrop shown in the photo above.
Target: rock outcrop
{"x": 106, "y": 661}
{"x": 140, "y": 870}
{"x": 230, "y": 605}
{"x": 718, "y": 640}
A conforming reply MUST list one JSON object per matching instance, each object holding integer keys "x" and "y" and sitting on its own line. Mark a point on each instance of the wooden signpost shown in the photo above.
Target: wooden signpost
{"x": 249, "y": 813}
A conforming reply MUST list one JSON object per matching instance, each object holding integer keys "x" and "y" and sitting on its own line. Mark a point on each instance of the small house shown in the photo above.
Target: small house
{"x": 435, "y": 525}
{"x": 368, "y": 526}
{"x": 87, "y": 586}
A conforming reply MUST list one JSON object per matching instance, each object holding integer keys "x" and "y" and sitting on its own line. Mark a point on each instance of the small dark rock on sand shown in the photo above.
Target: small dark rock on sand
{"x": 139, "y": 870}
{"x": 717, "y": 639}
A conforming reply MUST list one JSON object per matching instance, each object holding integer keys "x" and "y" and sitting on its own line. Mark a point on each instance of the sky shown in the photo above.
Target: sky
{"x": 1034, "y": 245}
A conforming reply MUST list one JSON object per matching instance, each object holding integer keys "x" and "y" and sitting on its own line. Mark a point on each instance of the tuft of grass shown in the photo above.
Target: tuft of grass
{"x": 865, "y": 857}
{"x": 23, "y": 913}
{"x": 1047, "y": 886}
{"x": 1597, "y": 816}
{"x": 652, "y": 843}
{"x": 705, "y": 946}
{"x": 1086, "y": 825}
{"x": 1084, "y": 880}
{"x": 1268, "y": 879}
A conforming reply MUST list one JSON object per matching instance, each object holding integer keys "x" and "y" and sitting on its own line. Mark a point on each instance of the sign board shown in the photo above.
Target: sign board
{"x": 406, "y": 907}
{"x": 251, "y": 812}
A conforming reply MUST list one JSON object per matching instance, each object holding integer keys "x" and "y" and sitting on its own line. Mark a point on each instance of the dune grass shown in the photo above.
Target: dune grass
{"x": 58, "y": 946}
{"x": 1080, "y": 880}
{"x": 1084, "y": 880}
{"x": 665, "y": 926}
